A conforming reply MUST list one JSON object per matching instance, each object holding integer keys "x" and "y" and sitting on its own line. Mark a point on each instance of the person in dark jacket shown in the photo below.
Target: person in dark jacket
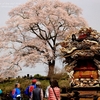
{"x": 37, "y": 92}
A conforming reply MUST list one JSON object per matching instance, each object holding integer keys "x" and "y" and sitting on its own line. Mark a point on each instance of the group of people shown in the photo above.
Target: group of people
{"x": 35, "y": 92}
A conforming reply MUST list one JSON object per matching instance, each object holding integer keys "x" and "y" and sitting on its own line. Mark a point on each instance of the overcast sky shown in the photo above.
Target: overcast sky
{"x": 90, "y": 11}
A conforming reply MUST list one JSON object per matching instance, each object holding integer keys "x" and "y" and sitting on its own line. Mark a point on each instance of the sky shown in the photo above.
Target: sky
{"x": 90, "y": 12}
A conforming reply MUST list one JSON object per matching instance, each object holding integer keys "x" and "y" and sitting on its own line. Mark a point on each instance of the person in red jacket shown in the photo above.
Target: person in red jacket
{"x": 54, "y": 91}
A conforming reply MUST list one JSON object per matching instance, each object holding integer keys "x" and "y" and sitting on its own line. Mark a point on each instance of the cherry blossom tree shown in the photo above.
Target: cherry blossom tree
{"x": 6, "y": 64}
{"x": 35, "y": 29}
{"x": 7, "y": 68}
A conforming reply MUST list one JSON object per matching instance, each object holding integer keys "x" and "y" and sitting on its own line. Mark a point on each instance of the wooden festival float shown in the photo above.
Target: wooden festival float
{"x": 81, "y": 52}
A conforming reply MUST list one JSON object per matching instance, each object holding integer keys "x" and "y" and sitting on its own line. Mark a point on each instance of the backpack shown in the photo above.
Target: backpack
{"x": 13, "y": 94}
{"x": 29, "y": 90}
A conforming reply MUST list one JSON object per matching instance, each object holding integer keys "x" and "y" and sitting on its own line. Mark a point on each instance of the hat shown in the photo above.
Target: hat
{"x": 38, "y": 83}
{"x": 34, "y": 81}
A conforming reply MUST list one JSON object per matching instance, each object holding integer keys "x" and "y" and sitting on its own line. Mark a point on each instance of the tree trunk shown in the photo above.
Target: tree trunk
{"x": 51, "y": 65}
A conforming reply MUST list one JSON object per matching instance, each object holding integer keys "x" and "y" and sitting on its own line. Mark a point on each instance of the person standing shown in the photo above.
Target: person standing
{"x": 16, "y": 93}
{"x": 30, "y": 88}
{"x": 47, "y": 89}
{"x": 1, "y": 93}
{"x": 54, "y": 91}
{"x": 37, "y": 92}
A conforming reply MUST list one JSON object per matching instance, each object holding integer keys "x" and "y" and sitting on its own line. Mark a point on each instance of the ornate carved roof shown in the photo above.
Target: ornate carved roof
{"x": 82, "y": 45}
